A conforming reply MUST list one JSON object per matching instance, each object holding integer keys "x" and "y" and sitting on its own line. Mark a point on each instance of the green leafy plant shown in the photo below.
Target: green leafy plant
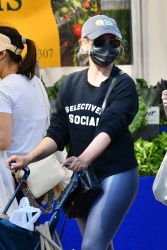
{"x": 52, "y": 91}
{"x": 152, "y": 95}
{"x": 140, "y": 119}
{"x": 150, "y": 154}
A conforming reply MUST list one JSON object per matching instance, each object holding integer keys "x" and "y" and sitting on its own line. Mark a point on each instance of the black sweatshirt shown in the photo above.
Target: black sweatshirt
{"x": 78, "y": 107}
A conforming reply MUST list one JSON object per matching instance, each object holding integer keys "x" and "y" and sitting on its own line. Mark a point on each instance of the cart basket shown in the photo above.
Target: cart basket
{"x": 13, "y": 237}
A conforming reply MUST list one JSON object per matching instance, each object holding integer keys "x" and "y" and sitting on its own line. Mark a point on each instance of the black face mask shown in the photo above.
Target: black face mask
{"x": 104, "y": 55}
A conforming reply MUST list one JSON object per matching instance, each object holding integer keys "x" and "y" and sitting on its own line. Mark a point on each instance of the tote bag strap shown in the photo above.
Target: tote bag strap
{"x": 115, "y": 80}
{"x": 44, "y": 97}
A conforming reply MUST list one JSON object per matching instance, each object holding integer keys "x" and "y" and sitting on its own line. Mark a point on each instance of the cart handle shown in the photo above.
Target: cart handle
{"x": 21, "y": 182}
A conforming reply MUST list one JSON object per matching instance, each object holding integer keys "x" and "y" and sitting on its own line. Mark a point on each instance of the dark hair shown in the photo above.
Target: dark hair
{"x": 28, "y": 63}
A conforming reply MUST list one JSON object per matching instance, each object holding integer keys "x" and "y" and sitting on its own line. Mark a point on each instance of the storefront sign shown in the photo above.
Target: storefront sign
{"x": 35, "y": 20}
{"x": 54, "y": 25}
{"x": 153, "y": 115}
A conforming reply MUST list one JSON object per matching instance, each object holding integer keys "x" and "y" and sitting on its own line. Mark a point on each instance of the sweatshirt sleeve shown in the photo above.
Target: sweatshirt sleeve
{"x": 58, "y": 129}
{"x": 121, "y": 110}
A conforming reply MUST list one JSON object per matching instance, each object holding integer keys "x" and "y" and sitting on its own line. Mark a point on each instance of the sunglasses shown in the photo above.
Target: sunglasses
{"x": 100, "y": 41}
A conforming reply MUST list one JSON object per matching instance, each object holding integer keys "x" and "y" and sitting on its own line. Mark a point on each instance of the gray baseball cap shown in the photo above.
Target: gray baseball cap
{"x": 98, "y": 25}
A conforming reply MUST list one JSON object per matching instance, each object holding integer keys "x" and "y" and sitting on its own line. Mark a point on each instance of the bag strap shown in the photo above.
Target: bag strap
{"x": 49, "y": 204}
{"x": 47, "y": 112}
{"x": 113, "y": 83}
{"x": 115, "y": 80}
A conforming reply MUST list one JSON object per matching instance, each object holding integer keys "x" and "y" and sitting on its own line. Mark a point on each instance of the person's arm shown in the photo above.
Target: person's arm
{"x": 95, "y": 148}
{"x": 44, "y": 149}
{"x": 5, "y": 130}
{"x": 117, "y": 116}
{"x": 164, "y": 100}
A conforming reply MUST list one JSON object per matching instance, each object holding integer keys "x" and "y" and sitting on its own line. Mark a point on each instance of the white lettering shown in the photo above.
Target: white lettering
{"x": 92, "y": 121}
{"x": 93, "y": 107}
{"x": 83, "y": 106}
{"x": 67, "y": 109}
{"x": 83, "y": 120}
{"x": 77, "y": 119}
{"x": 87, "y": 106}
{"x": 71, "y": 118}
{"x": 75, "y": 108}
{"x": 97, "y": 121}
{"x": 98, "y": 110}
{"x": 108, "y": 22}
{"x": 71, "y": 108}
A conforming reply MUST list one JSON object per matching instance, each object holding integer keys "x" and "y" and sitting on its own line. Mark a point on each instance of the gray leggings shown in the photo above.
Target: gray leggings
{"x": 107, "y": 212}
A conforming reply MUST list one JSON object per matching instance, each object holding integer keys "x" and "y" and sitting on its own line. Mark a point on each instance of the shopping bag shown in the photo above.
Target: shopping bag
{"x": 25, "y": 216}
{"x": 83, "y": 195}
{"x": 160, "y": 182}
{"x": 46, "y": 174}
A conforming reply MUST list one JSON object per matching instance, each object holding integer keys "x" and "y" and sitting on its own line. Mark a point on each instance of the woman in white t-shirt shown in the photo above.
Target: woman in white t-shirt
{"x": 23, "y": 116}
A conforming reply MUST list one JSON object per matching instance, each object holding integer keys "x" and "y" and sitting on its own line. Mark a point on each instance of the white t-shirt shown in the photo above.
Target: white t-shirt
{"x": 23, "y": 98}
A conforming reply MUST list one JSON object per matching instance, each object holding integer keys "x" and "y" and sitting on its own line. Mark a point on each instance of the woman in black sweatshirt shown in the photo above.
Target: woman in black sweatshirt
{"x": 75, "y": 120}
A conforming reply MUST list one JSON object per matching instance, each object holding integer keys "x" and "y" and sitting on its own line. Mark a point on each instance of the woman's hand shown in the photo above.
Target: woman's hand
{"x": 18, "y": 162}
{"x": 75, "y": 164}
{"x": 90, "y": 153}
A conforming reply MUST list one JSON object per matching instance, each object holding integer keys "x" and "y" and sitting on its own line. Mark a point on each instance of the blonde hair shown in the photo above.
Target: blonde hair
{"x": 83, "y": 51}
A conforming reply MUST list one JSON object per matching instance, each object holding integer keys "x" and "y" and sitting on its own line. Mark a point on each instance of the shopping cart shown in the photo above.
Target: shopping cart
{"x": 13, "y": 237}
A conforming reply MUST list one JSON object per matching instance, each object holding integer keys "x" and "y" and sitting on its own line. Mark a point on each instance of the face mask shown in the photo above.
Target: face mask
{"x": 104, "y": 55}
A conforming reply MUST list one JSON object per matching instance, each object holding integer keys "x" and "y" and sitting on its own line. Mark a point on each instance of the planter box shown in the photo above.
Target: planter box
{"x": 162, "y": 129}
{"x": 144, "y": 227}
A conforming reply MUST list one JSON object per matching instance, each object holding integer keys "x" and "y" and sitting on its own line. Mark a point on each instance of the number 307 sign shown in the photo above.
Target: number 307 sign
{"x": 54, "y": 25}
{"x": 34, "y": 20}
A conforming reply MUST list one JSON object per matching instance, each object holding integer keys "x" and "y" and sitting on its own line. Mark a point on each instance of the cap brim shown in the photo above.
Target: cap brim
{"x": 2, "y": 48}
{"x": 103, "y": 31}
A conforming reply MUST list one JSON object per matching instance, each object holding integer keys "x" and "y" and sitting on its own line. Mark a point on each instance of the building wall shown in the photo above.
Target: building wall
{"x": 149, "y": 29}
{"x": 157, "y": 40}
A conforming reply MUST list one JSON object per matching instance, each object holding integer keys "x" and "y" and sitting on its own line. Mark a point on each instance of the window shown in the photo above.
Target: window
{"x": 121, "y": 12}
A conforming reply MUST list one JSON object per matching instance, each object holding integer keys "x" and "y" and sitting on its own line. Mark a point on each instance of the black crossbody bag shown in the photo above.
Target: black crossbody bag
{"x": 88, "y": 187}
